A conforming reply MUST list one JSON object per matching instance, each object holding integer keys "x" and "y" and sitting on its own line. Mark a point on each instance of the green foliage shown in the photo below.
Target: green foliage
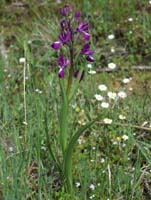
{"x": 27, "y": 170}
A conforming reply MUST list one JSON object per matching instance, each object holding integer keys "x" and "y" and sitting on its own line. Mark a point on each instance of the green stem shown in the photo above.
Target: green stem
{"x": 63, "y": 120}
{"x": 71, "y": 71}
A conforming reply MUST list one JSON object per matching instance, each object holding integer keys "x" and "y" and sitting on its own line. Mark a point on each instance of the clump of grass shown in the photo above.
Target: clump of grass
{"x": 107, "y": 166}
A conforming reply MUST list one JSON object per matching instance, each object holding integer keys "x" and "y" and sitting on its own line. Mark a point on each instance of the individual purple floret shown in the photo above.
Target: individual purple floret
{"x": 56, "y": 45}
{"x": 90, "y": 58}
{"x": 62, "y": 62}
{"x": 65, "y": 37}
{"x": 87, "y": 52}
{"x": 64, "y": 10}
{"x": 63, "y": 23}
{"x": 82, "y": 27}
{"x": 77, "y": 15}
{"x": 86, "y": 35}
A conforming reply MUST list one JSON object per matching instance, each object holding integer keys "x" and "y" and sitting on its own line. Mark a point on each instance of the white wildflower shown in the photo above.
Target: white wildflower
{"x": 126, "y": 80}
{"x": 89, "y": 66}
{"x": 122, "y": 117}
{"x": 104, "y": 105}
{"x": 102, "y": 160}
{"x": 102, "y": 87}
{"x": 130, "y": 89}
{"x": 107, "y": 121}
{"x": 130, "y": 19}
{"x": 111, "y": 36}
{"x": 77, "y": 184}
{"x": 112, "y": 95}
{"x": 92, "y": 186}
{"x": 122, "y": 94}
{"x": 92, "y": 71}
{"x": 22, "y": 60}
{"x": 92, "y": 196}
{"x": 98, "y": 97}
{"x": 112, "y": 49}
{"x": 115, "y": 142}
{"x": 125, "y": 137}
{"x": 43, "y": 148}
{"x": 10, "y": 149}
{"x": 111, "y": 65}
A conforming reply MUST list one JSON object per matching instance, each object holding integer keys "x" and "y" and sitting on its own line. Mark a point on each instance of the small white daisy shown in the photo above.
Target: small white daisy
{"x": 115, "y": 142}
{"x": 98, "y": 97}
{"x": 92, "y": 71}
{"x": 77, "y": 184}
{"x": 102, "y": 87}
{"x": 43, "y": 148}
{"x": 102, "y": 160}
{"x": 130, "y": 89}
{"x": 122, "y": 117}
{"x": 125, "y": 137}
{"x": 130, "y": 19}
{"x": 92, "y": 186}
{"x": 92, "y": 196}
{"x": 5, "y": 70}
{"x": 104, "y": 105}
{"x": 89, "y": 66}
{"x": 10, "y": 149}
{"x": 111, "y": 36}
{"x": 112, "y": 49}
{"x": 111, "y": 65}
{"x": 107, "y": 121}
{"x": 22, "y": 60}
{"x": 122, "y": 94}
{"x": 112, "y": 95}
{"x": 126, "y": 80}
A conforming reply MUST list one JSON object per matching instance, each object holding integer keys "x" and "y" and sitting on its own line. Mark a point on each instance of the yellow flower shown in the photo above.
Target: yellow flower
{"x": 118, "y": 139}
{"x": 77, "y": 109}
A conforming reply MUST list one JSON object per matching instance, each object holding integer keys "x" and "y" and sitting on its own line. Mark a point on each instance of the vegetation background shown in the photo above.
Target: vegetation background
{"x": 107, "y": 165}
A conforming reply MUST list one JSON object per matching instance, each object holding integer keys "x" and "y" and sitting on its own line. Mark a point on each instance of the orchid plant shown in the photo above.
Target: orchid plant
{"x": 72, "y": 45}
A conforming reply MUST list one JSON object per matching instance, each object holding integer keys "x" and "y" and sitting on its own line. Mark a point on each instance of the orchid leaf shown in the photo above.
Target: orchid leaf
{"x": 69, "y": 152}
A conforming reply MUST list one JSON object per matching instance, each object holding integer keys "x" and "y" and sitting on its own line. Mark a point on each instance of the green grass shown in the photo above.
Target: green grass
{"x": 27, "y": 171}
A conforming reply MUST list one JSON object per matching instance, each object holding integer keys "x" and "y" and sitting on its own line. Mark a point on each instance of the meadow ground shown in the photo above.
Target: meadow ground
{"x": 112, "y": 160}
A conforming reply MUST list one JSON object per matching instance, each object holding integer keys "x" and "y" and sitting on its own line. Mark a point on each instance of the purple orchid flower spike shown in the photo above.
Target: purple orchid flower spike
{"x": 65, "y": 37}
{"x": 56, "y": 45}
